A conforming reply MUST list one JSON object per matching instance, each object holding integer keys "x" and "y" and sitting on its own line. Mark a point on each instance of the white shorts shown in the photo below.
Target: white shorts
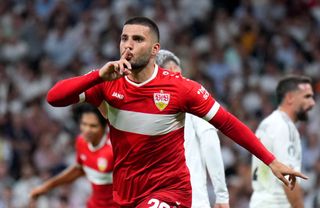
{"x": 268, "y": 201}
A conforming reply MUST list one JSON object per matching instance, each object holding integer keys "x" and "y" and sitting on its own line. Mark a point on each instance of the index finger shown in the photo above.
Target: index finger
{"x": 124, "y": 54}
{"x": 298, "y": 174}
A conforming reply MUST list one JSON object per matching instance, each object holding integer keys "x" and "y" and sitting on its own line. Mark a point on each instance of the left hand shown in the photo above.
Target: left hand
{"x": 280, "y": 171}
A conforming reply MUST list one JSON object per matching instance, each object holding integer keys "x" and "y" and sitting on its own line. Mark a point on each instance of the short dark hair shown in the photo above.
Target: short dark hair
{"x": 288, "y": 84}
{"x": 88, "y": 108}
{"x": 145, "y": 22}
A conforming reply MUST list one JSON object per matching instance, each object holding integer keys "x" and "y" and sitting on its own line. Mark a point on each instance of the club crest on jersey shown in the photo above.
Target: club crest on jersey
{"x": 161, "y": 100}
{"x": 102, "y": 164}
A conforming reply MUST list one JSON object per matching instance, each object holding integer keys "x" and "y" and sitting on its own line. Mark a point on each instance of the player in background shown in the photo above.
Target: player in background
{"x": 280, "y": 135}
{"x": 94, "y": 160}
{"x": 146, "y": 107}
{"x": 202, "y": 149}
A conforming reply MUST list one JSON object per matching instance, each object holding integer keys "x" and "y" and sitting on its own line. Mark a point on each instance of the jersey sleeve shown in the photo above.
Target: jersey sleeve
{"x": 199, "y": 102}
{"x": 72, "y": 90}
{"x": 211, "y": 154}
{"x": 94, "y": 95}
{"x": 196, "y": 99}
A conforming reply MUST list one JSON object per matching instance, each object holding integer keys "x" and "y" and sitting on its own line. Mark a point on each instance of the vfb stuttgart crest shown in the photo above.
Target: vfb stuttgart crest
{"x": 102, "y": 164}
{"x": 161, "y": 100}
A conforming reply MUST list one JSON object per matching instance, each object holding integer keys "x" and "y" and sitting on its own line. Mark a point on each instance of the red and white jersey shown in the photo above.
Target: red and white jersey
{"x": 97, "y": 163}
{"x": 147, "y": 125}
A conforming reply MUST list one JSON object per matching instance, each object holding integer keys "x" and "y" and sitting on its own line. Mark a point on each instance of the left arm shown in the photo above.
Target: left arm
{"x": 241, "y": 134}
{"x": 197, "y": 100}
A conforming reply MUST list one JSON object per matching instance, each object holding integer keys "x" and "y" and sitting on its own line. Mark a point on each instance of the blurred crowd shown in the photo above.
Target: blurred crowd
{"x": 237, "y": 49}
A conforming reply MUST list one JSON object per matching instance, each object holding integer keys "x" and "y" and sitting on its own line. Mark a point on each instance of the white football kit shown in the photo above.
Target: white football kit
{"x": 202, "y": 147}
{"x": 280, "y": 136}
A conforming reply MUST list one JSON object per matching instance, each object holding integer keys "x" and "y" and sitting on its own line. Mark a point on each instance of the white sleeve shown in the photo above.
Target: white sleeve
{"x": 211, "y": 153}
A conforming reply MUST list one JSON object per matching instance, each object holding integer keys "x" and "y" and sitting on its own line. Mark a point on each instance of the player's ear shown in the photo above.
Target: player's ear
{"x": 155, "y": 49}
{"x": 289, "y": 97}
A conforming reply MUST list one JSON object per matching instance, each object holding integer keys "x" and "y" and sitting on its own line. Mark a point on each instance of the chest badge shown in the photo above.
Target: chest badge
{"x": 161, "y": 100}
{"x": 102, "y": 164}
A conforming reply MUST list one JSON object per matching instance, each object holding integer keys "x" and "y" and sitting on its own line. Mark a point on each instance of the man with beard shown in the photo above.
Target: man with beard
{"x": 145, "y": 106}
{"x": 279, "y": 134}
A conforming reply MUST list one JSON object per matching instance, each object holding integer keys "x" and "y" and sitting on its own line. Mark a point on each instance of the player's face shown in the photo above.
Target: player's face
{"x": 141, "y": 43}
{"x": 90, "y": 128}
{"x": 304, "y": 101}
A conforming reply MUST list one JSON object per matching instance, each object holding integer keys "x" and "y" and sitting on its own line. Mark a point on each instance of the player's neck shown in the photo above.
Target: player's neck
{"x": 142, "y": 75}
{"x": 289, "y": 113}
{"x": 97, "y": 141}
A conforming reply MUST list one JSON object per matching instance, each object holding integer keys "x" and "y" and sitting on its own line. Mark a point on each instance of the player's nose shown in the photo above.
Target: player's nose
{"x": 312, "y": 103}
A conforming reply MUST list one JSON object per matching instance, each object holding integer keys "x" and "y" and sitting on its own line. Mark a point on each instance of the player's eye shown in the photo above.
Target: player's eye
{"x": 124, "y": 38}
{"x": 138, "y": 39}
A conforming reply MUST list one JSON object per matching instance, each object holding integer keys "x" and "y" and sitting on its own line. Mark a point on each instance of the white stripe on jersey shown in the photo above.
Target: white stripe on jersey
{"x": 212, "y": 112}
{"x": 97, "y": 177}
{"x": 153, "y": 124}
{"x": 82, "y": 97}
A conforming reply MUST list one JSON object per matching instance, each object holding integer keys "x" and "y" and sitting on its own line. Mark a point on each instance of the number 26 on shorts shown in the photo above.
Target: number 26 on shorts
{"x": 155, "y": 203}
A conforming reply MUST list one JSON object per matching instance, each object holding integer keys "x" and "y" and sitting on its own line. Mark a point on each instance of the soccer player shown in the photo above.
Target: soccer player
{"x": 94, "y": 160}
{"x": 279, "y": 134}
{"x": 146, "y": 108}
{"x": 202, "y": 147}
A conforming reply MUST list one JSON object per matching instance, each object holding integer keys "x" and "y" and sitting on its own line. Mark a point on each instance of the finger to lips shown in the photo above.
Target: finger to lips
{"x": 116, "y": 67}
{"x": 127, "y": 64}
{"x": 125, "y": 54}
{"x": 121, "y": 68}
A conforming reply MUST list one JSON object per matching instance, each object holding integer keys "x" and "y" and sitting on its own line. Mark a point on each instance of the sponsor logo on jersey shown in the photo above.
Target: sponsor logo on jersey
{"x": 118, "y": 95}
{"x": 102, "y": 164}
{"x": 202, "y": 91}
{"x": 161, "y": 100}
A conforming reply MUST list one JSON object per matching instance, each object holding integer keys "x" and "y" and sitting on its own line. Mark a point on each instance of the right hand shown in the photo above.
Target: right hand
{"x": 115, "y": 69}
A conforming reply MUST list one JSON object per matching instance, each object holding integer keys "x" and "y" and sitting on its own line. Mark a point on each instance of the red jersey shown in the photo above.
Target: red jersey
{"x": 97, "y": 163}
{"x": 146, "y": 130}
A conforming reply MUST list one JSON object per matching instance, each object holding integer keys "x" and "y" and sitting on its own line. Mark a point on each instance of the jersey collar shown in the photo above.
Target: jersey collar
{"x": 154, "y": 74}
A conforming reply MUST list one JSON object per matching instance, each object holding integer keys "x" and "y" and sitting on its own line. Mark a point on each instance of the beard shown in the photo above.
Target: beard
{"x": 302, "y": 115}
{"x": 140, "y": 63}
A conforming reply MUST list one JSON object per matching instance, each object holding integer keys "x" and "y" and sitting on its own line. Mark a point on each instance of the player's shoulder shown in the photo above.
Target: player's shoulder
{"x": 275, "y": 121}
{"x": 175, "y": 78}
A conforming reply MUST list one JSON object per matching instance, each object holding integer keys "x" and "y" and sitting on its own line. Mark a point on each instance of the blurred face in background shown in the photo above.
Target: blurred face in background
{"x": 172, "y": 66}
{"x": 303, "y": 101}
{"x": 90, "y": 128}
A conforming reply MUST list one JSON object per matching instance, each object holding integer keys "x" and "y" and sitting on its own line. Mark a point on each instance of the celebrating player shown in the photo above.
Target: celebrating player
{"x": 279, "y": 134}
{"x": 94, "y": 160}
{"x": 146, "y": 108}
{"x": 202, "y": 147}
